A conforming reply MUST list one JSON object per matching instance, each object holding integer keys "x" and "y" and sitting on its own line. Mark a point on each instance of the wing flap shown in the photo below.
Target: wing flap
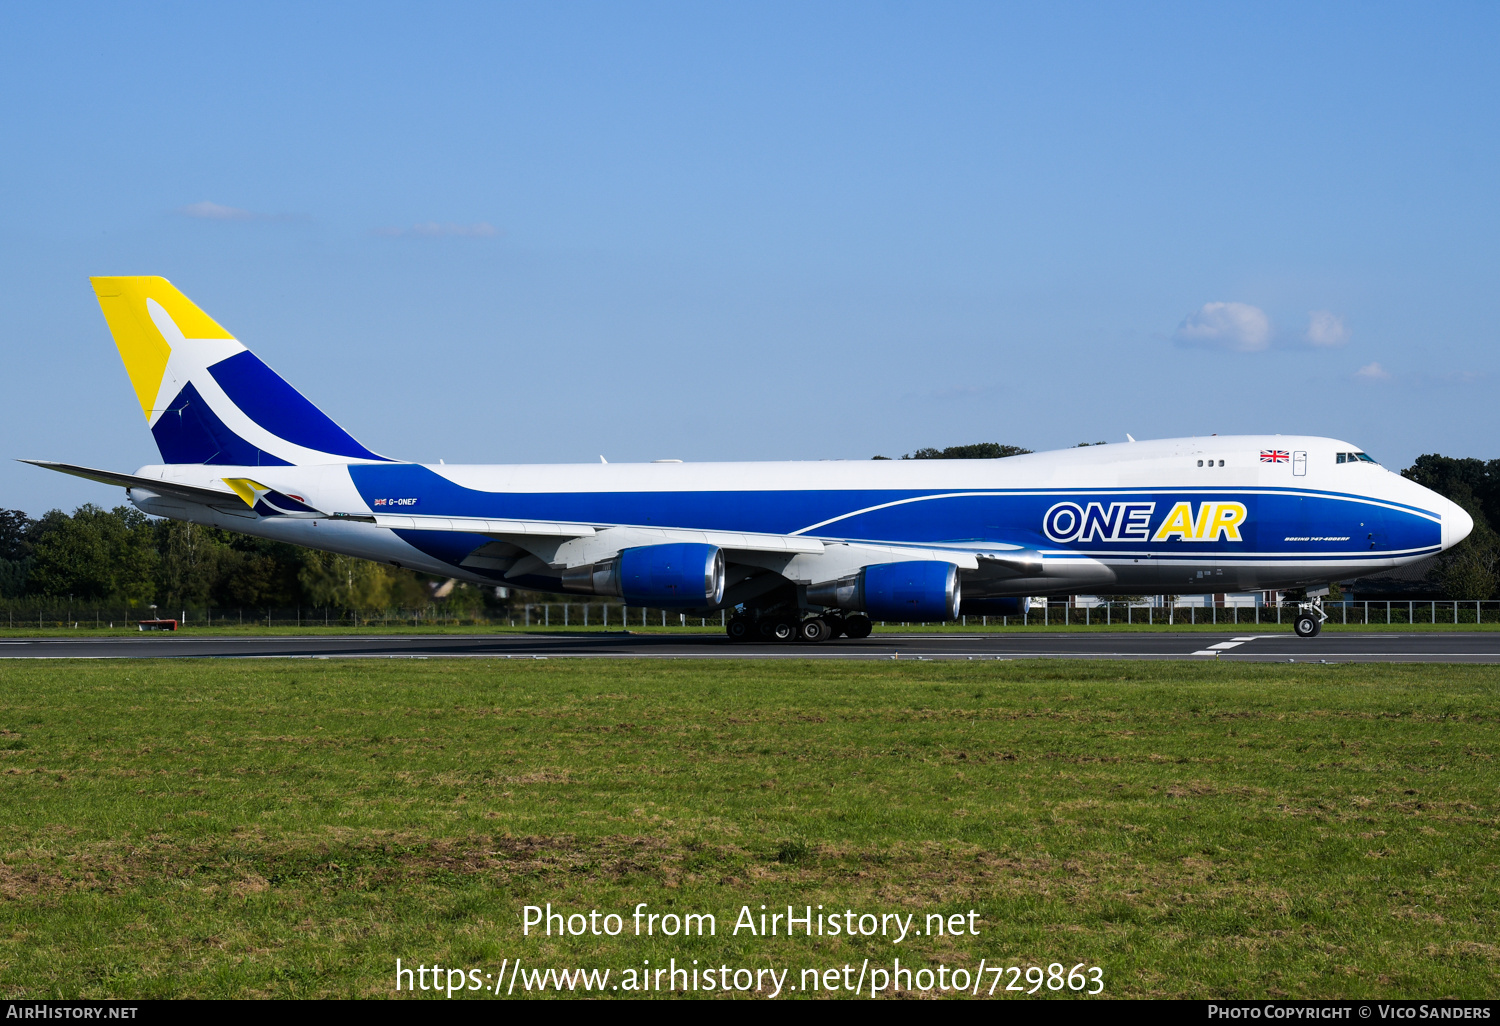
{"x": 764, "y": 543}
{"x": 473, "y": 525}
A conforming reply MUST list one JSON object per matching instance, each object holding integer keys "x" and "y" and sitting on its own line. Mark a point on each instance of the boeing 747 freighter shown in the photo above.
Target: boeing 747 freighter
{"x": 797, "y": 550}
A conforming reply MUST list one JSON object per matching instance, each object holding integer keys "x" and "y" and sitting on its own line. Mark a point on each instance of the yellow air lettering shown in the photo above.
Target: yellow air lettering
{"x": 1208, "y": 522}
{"x": 1227, "y": 518}
{"x": 1200, "y": 522}
{"x": 1179, "y": 522}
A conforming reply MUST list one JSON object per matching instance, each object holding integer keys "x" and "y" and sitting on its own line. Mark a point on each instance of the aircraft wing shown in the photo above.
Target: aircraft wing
{"x": 192, "y": 493}
{"x": 538, "y": 529}
{"x": 471, "y": 525}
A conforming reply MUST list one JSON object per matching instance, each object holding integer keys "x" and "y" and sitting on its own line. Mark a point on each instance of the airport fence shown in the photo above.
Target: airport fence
{"x": 1352, "y": 611}
{"x": 49, "y": 615}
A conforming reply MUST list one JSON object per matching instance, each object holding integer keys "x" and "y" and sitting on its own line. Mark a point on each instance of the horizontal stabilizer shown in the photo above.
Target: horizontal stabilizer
{"x": 190, "y": 492}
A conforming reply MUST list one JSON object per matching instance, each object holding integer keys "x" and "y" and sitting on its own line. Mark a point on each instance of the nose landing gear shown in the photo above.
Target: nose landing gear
{"x": 1308, "y": 622}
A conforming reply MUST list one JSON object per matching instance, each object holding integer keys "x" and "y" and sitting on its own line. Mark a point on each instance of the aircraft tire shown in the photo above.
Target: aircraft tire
{"x": 814, "y": 630}
{"x": 1307, "y": 626}
{"x": 857, "y": 627}
{"x": 835, "y": 625}
{"x": 740, "y": 629}
{"x": 781, "y": 630}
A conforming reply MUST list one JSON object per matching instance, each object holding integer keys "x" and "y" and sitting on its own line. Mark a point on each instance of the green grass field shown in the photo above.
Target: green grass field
{"x": 237, "y": 828}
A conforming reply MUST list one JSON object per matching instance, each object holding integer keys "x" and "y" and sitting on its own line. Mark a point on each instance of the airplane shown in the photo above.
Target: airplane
{"x": 805, "y": 551}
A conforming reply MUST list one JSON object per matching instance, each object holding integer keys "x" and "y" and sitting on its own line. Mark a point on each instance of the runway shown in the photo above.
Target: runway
{"x": 1456, "y": 647}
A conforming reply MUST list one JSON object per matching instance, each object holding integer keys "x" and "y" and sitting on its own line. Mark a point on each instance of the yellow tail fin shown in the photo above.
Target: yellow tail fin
{"x": 144, "y": 349}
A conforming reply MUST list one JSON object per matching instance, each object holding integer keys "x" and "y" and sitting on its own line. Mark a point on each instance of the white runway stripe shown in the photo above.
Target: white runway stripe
{"x": 1224, "y": 646}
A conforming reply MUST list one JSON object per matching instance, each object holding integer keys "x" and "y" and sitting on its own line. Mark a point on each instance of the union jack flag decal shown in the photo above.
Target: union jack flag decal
{"x": 1274, "y": 455}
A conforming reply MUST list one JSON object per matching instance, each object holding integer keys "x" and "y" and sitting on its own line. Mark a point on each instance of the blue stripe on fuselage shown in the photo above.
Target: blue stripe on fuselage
{"x": 1281, "y": 522}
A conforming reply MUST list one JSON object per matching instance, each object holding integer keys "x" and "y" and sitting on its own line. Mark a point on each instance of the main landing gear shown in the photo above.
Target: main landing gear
{"x": 786, "y": 627}
{"x": 1308, "y": 622}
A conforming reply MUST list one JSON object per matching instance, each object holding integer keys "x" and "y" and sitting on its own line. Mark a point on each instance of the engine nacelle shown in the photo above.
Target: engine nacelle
{"x": 918, "y": 590}
{"x": 997, "y": 606}
{"x": 685, "y": 575}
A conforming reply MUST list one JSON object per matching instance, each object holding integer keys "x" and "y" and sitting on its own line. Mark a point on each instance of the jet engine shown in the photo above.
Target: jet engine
{"x": 685, "y": 575}
{"x": 918, "y": 590}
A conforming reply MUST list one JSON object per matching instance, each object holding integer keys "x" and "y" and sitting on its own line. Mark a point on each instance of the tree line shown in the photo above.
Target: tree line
{"x": 1471, "y": 569}
{"x": 122, "y": 556}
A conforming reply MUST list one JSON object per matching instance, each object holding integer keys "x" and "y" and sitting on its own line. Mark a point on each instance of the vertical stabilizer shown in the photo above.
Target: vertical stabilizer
{"x": 208, "y": 399}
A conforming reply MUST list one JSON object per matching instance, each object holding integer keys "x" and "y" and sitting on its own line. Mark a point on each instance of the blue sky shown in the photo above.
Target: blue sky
{"x": 538, "y": 233}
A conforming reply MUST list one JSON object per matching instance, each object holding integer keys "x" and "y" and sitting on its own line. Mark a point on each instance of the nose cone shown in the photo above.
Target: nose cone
{"x": 1456, "y": 524}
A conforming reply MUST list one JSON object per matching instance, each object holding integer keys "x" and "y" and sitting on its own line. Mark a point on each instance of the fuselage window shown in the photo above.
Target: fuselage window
{"x": 1200, "y": 463}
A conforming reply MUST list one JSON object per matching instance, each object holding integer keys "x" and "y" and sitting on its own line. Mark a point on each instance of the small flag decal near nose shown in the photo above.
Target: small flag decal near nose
{"x": 1274, "y": 456}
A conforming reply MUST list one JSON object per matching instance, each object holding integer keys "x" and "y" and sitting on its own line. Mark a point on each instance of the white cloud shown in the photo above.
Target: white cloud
{"x": 435, "y": 230}
{"x": 1326, "y": 328}
{"x": 1372, "y": 372}
{"x": 210, "y": 211}
{"x": 1238, "y": 327}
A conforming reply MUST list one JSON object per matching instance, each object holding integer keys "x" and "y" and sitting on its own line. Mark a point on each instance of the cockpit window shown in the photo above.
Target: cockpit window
{"x": 1355, "y": 457}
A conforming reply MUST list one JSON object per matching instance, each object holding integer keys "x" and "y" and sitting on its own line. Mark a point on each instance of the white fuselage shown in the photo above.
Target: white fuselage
{"x": 1281, "y": 511}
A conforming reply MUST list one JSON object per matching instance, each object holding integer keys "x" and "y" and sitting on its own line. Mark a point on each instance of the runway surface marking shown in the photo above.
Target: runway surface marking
{"x": 1470, "y": 647}
{"x": 1224, "y": 646}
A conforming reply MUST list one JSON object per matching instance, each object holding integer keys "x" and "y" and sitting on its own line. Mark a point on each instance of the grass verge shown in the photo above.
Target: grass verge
{"x": 219, "y": 829}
